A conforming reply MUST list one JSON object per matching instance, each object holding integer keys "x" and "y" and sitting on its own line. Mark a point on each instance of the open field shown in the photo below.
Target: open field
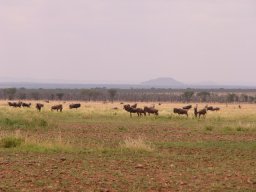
{"x": 96, "y": 148}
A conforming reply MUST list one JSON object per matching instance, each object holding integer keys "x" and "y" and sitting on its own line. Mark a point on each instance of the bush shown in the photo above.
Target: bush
{"x": 11, "y": 142}
{"x": 209, "y": 128}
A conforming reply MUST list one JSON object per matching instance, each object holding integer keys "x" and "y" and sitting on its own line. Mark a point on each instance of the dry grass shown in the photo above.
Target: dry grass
{"x": 138, "y": 144}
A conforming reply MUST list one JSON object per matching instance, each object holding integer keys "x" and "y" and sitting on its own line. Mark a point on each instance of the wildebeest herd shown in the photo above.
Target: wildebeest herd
{"x": 146, "y": 110}
{"x": 198, "y": 113}
{"x": 39, "y": 106}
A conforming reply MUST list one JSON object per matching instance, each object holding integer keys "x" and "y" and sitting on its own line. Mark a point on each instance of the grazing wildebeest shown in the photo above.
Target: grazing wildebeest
{"x": 39, "y": 106}
{"x": 151, "y": 110}
{"x": 187, "y": 107}
{"x": 131, "y": 110}
{"x": 26, "y": 105}
{"x": 200, "y": 113}
{"x": 211, "y": 108}
{"x": 115, "y": 108}
{"x": 74, "y": 106}
{"x": 216, "y": 109}
{"x": 11, "y": 104}
{"x": 15, "y": 104}
{"x": 57, "y": 108}
{"x": 180, "y": 111}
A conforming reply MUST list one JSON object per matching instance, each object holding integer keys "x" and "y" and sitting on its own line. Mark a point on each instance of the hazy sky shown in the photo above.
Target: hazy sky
{"x": 128, "y": 40}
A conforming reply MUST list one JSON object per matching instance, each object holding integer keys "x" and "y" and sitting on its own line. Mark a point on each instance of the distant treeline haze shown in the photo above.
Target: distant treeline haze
{"x": 133, "y": 95}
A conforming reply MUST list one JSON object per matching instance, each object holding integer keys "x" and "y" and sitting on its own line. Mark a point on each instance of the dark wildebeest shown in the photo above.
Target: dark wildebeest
{"x": 180, "y": 111}
{"x": 11, "y": 104}
{"x": 151, "y": 110}
{"x": 211, "y": 108}
{"x": 200, "y": 113}
{"x": 187, "y": 107}
{"x": 39, "y": 106}
{"x": 131, "y": 110}
{"x": 74, "y": 106}
{"x": 15, "y": 104}
{"x": 26, "y": 105}
{"x": 134, "y": 106}
{"x": 216, "y": 109}
{"x": 57, "y": 108}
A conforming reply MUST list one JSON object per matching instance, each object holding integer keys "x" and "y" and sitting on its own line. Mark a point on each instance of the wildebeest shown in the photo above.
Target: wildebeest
{"x": 200, "y": 113}
{"x": 57, "y": 108}
{"x": 216, "y": 109}
{"x": 74, "y": 106}
{"x": 131, "y": 110}
{"x": 211, "y": 108}
{"x": 15, "y": 104}
{"x": 39, "y": 106}
{"x": 150, "y": 110}
{"x": 180, "y": 111}
{"x": 187, "y": 107}
{"x": 26, "y": 105}
{"x": 134, "y": 106}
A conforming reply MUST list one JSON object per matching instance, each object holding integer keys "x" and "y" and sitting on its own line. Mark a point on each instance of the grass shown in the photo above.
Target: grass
{"x": 137, "y": 144}
{"x": 95, "y": 147}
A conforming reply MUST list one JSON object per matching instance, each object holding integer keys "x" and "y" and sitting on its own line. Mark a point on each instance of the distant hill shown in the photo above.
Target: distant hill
{"x": 164, "y": 82}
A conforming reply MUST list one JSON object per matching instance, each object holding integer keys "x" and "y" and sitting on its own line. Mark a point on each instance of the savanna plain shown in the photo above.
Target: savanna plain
{"x": 98, "y": 148}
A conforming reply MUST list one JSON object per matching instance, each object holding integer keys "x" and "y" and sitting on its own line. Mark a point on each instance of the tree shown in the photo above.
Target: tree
{"x": 35, "y": 95}
{"x": 112, "y": 94}
{"x": 60, "y": 95}
{"x": 244, "y": 98}
{"x": 9, "y": 93}
{"x": 91, "y": 94}
{"x": 231, "y": 97}
{"x": 187, "y": 95}
{"x": 203, "y": 95}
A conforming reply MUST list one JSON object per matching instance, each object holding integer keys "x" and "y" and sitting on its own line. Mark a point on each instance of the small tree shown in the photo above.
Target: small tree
{"x": 203, "y": 95}
{"x": 187, "y": 95}
{"x": 9, "y": 93}
{"x": 231, "y": 97}
{"x": 60, "y": 95}
{"x": 112, "y": 94}
{"x": 35, "y": 95}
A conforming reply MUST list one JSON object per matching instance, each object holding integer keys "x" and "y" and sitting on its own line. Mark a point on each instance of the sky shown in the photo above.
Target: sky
{"x": 128, "y": 41}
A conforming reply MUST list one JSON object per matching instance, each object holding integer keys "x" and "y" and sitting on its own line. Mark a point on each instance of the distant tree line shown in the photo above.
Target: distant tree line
{"x": 132, "y": 95}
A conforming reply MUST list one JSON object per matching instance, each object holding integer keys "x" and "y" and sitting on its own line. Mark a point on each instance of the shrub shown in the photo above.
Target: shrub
{"x": 11, "y": 142}
{"x": 209, "y": 128}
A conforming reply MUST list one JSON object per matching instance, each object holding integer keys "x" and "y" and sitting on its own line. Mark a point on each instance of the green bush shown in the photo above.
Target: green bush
{"x": 11, "y": 142}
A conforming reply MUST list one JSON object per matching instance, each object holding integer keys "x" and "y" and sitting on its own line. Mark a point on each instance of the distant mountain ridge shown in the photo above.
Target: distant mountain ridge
{"x": 164, "y": 82}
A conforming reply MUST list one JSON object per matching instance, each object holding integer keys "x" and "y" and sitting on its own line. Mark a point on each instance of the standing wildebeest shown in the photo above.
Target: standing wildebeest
{"x": 57, "y": 108}
{"x": 74, "y": 106}
{"x": 187, "y": 107}
{"x": 131, "y": 110}
{"x": 39, "y": 106}
{"x": 201, "y": 112}
{"x": 26, "y": 105}
{"x": 180, "y": 111}
{"x": 150, "y": 110}
{"x": 134, "y": 106}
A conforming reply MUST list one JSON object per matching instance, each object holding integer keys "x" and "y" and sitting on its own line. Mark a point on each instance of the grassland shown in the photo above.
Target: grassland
{"x": 96, "y": 148}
